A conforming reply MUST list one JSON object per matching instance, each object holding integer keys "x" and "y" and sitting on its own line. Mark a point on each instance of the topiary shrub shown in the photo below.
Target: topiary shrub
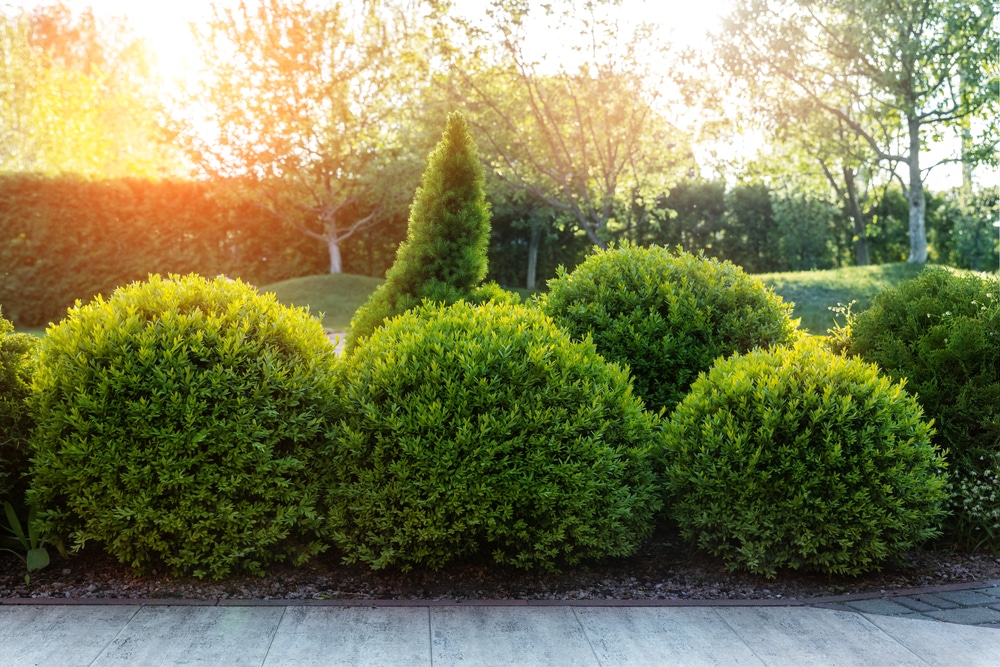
{"x": 667, "y": 315}
{"x": 177, "y": 424}
{"x": 444, "y": 255}
{"x": 483, "y": 431}
{"x": 941, "y": 332}
{"x": 17, "y": 365}
{"x": 801, "y": 458}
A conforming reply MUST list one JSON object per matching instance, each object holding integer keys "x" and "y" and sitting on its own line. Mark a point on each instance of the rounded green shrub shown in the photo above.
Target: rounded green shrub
{"x": 484, "y": 432}
{"x": 666, "y": 315}
{"x": 941, "y": 331}
{"x": 17, "y": 365}
{"x": 178, "y": 424}
{"x": 802, "y": 458}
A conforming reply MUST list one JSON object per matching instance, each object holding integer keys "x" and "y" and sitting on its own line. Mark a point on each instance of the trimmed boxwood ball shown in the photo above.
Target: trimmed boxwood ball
{"x": 17, "y": 365}
{"x": 666, "y": 315}
{"x": 178, "y": 423}
{"x": 474, "y": 432}
{"x": 941, "y": 331}
{"x": 801, "y": 458}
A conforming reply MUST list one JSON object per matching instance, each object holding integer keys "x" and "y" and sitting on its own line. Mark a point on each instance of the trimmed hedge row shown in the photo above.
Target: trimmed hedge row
{"x": 198, "y": 425}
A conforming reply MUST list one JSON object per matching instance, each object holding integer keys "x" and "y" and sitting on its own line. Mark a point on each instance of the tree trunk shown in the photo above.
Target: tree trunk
{"x": 335, "y": 263}
{"x": 534, "y": 240}
{"x": 918, "y": 206}
{"x": 860, "y": 228}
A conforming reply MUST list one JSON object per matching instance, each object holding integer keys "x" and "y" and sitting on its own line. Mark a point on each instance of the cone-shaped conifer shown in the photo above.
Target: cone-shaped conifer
{"x": 444, "y": 255}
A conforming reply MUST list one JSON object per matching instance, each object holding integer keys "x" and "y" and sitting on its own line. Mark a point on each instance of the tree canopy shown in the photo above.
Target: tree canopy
{"x": 585, "y": 136}
{"x": 77, "y": 95}
{"x": 893, "y": 73}
{"x": 303, "y": 105}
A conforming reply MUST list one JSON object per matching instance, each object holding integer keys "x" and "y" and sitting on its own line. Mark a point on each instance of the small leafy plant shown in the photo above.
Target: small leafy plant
{"x": 975, "y": 504}
{"x": 30, "y": 542}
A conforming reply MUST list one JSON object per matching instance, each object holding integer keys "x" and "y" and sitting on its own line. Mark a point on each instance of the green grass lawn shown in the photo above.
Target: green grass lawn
{"x": 335, "y": 296}
{"x": 815, "y": 292}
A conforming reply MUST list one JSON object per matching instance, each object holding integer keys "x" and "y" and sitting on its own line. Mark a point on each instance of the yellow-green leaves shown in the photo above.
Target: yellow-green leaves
{"x": 666, "y": 315}
{"x": 176, "y": 423}
{"x": 484, "y": 432}
{"x": 801, "y": 458}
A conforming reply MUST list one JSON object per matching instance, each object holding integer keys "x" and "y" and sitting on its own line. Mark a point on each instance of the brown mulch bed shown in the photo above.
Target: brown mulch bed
{"x": 663, "y": 569}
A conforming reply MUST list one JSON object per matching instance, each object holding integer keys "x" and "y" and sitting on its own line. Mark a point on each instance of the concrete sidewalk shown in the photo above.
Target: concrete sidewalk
{"x": 478, "y": 634}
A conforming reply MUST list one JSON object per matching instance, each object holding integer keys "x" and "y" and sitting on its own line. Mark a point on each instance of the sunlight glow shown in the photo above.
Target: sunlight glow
{"x": 165, "y": 24}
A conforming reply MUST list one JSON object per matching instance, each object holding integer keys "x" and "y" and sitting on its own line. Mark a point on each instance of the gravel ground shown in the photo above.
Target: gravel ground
{"x": 663, "y": 569}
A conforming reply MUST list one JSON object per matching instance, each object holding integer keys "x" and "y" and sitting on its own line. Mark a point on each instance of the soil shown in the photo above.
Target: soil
{"x": 663, "y": 569}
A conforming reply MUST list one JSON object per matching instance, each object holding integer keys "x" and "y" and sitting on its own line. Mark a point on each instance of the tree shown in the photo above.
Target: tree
{"x": 691, "y": 215}
{"x": 584, "y": 138}
{"x": 444, "y": 255}
{"x": 78, "y": 94}
{"x": 889, "y": 71}
{"x": 303, "y": 106}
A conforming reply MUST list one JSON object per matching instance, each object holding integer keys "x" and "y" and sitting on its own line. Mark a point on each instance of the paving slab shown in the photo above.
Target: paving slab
{"x": 937, "y": 601}
{"x": 352, "y": 636}
{"x": 882, "y": 606}
{"x": 522, "y": 636}
{"x": 796, "y": 636}
{"x": 993, "y": 591}
{"x": 193, "y": 635}
{"x": 663, "y": 636}
{"x": 967, "y": 598}
{"x": 966, "y": 615}
{"x": 56, "y": 636}
{"x": 943, "y": 644}
{"x": 914, "y": 604}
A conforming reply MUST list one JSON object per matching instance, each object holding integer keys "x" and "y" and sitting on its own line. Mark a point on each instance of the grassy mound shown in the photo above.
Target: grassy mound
{"x": 335, "y": 296}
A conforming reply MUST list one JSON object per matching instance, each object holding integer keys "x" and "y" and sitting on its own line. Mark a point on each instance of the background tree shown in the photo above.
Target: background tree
{"x": 78, "y": 94}
{"x": 582, "y": 137}
{"x": 888, "y": 71}
{"x": 444, "y": 255}
{"x": 303, "y": 104}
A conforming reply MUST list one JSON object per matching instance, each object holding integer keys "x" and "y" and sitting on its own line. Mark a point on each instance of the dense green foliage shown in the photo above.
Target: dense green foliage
{"x": 802, "y": 458}
{"x": 177, "y": 423}
{"x": 17, "y": 365}
{"x": 484, "y": 432}
{"x": 67, "y": 238}
{"x": 941, "y": 332}
{"x": 667, "y": 315}
{"x": 444, "y": 256}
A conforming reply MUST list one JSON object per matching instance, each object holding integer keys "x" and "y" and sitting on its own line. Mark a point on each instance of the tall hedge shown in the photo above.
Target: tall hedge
{"x": 443, "y": 258}
{"x": 69, "y": 238}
